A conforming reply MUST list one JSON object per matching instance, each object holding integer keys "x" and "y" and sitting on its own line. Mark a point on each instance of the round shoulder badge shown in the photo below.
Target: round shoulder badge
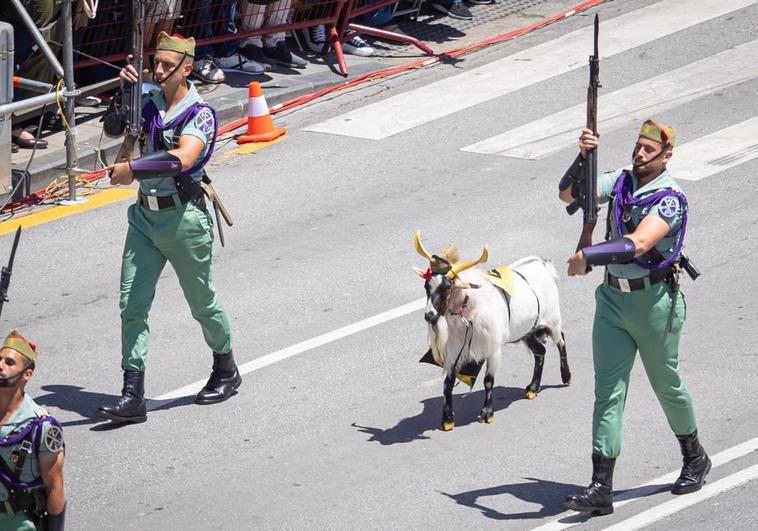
{"x": 668, "y": 207}
{"x": 205, "y": 123}
{"x": 54, "y": 439}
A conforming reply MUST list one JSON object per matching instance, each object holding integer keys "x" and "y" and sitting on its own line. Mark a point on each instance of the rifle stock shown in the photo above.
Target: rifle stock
{"x": 5, "y": 276}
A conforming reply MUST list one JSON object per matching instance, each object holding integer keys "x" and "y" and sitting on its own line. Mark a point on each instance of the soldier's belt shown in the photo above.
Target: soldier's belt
{"x": 633, "y": 284}
{"x": 156, "y": 203}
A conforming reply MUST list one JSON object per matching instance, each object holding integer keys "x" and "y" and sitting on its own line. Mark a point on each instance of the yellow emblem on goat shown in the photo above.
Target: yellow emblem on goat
{"x": 502, "y": 278}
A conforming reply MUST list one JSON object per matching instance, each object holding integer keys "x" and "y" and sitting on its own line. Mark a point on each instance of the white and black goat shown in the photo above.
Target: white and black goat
{"x": 470, "y": 319}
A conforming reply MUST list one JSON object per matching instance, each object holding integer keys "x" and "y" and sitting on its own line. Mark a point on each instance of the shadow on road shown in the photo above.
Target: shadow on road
{"x": 466, "y": 409}
{"x": 85, "y": 403}
{"x": 548, "y": 494}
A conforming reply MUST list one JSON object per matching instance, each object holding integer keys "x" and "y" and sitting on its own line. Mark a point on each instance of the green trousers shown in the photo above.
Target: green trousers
{"x": 624, "y": 324}
{"x": 182, "y": 236}
{"x": 16, "y": 521}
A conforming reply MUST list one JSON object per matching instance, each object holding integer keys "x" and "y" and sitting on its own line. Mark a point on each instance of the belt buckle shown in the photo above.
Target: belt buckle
{"x": 624, "y": 285}
{"x": 152, "y": 202}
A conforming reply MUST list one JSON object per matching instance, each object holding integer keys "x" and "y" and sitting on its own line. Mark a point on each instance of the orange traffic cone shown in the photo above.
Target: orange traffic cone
{"x": 260, "y": 127}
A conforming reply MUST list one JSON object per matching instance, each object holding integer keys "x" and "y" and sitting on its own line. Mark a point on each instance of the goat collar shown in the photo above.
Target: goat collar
{"x": 459, "y": 311}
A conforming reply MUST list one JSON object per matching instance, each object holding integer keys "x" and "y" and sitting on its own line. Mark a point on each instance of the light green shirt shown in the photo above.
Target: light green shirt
{"x": 669, "y": 209}
{"x": 202, "y": 126}
{"x": 50, "y": 441}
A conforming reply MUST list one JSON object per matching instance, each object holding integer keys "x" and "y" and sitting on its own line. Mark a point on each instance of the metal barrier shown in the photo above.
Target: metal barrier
{"x": 210, "y": 22}
{"x": 356, "y": 8}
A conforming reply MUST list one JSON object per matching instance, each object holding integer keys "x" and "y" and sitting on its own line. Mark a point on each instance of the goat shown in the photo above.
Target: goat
{"x": 470, "y": 319}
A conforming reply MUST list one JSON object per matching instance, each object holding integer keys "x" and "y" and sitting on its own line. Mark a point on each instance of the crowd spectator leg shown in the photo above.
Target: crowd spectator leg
{"x": 271, "y": 48}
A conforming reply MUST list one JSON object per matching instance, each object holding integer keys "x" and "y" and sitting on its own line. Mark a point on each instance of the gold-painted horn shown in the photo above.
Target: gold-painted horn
{"x": 420, "y": 248}
{"x": 462, "y": 266}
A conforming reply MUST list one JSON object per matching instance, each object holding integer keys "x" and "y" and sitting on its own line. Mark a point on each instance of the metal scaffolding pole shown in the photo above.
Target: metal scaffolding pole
{"x": 70, "y": 93}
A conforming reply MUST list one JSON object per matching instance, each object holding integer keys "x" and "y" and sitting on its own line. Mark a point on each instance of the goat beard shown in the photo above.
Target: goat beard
{"x": 438, "y": 335}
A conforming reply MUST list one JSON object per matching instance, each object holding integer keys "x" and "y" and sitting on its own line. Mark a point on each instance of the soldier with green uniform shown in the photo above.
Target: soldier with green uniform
{"x": 170, "y": 223}
{"x": 639, "y": 307}
{"x": 31, "y": 447}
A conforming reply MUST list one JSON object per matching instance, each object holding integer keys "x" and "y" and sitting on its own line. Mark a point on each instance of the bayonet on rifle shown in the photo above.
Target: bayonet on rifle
{"x": 5, "y": 276}
{"x": 133, "y": 91}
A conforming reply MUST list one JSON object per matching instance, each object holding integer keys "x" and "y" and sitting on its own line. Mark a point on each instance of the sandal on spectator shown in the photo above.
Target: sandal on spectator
{"x": 88, "y": 101}
{"x": 454, "y": 10}
{"x": 28, "y": 142}
{"x": 14, "y": 147}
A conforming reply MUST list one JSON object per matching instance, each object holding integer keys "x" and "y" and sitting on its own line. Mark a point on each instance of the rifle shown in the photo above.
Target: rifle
{"x": 582, "y": 175}
{"x": 5, "y": 276}
{"x": 132, "y": 97}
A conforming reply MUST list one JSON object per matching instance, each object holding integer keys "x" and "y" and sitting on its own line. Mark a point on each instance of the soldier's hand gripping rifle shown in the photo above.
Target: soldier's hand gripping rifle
{"x": 582, "y": 175}
{"x": 5, "y": 276}
{"x": 132, "y": 93}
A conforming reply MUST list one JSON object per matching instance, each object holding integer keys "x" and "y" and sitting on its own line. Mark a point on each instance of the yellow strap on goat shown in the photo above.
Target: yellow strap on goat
{"x": 502, "y": 278}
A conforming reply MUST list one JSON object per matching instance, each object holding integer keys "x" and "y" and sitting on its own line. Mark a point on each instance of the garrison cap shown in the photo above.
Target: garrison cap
{"x": 176, "y": 43}
{"x": 20, "y": 344}
{"x": 663, "y": 134}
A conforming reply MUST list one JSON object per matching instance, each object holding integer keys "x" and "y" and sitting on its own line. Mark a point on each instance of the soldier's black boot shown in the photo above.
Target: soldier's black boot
{"x": 598, "y": 497}
{"x": 696, "y": 465}
{"x": 225, "y": 378}
{"x": 130, "y": 406}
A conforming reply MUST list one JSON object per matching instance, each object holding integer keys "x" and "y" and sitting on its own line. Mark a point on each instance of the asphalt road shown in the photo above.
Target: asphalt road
{"x": 345, "y": 436}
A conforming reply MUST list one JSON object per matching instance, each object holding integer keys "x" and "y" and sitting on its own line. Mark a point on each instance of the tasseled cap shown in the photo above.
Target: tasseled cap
{"x": 21, "y": 345}
{"x": 662, "y": 134}
{"x": 176, "y": 43}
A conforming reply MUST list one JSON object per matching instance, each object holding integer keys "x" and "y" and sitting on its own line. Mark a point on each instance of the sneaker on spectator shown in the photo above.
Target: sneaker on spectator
{"x": 206, "y": 70}
{"x": 357, "y": 46}
{"x": 88, "y": 101}
{"x": 280, "y": 54}
{"x": 238, "y": 63}
{"x": 315, "y": 37}
{"x": 480, "y": 2}
{"x": 454, "y": 10}
{"x": 254, "y": 52}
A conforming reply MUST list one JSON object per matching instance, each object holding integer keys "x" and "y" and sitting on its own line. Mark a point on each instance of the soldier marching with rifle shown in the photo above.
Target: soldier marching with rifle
{"x": 639, "y": 306}
{"x": 31, "y": 441}
{"x": 170, "y": 221}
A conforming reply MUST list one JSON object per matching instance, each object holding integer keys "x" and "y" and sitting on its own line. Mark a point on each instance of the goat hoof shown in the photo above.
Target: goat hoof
{"x": 447, "y": 426}
{"x": 487, "y": 420}
{"x": 530, "y": 395}
{"x": 569, "y": 380}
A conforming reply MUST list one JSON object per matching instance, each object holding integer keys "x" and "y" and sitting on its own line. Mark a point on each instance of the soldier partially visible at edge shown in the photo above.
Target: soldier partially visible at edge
{"x": 170, "y": 222}
{"x": 31, "y": 447}
{"x": 638, "y": 308}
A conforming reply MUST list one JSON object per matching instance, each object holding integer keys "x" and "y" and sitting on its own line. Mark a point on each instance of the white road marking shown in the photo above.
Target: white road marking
{"x": 299, "y": 348}
{"x": 653, "y": 486}
{"x": 716, "y": 152}
{"x": 539, "y": 63}
{"x": 682, "y": 502}
{"x": 628, "y": 106}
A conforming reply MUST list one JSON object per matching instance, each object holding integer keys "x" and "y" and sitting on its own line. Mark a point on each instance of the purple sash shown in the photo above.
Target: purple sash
{"x": 16, "y": 438}
{"x": 153, "y": 127}
{"x": 624, "y": 198}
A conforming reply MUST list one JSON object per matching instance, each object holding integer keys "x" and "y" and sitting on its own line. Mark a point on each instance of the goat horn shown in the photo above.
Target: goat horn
{"x": 420, "y": 248}
{"x": 462, "y": 266}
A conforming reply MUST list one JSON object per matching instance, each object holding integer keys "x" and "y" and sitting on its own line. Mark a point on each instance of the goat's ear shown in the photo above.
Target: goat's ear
{"x": 419, "y": 272}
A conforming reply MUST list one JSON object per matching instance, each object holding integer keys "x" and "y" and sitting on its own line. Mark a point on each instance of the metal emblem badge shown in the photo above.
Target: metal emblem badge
{"x": 152, "y": 202}
{"x": 54, "y": 439}
{"x": 624, "y": 285}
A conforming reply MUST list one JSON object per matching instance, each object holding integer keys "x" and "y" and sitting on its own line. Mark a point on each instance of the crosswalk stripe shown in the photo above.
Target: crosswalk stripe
{"x": 628, "y": 106}
{"x": 539, "y": 63}
{"x": 716, "y": 152}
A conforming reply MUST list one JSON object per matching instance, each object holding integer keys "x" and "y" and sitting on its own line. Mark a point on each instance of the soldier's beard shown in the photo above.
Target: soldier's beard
{"x": 11, "y": 381}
